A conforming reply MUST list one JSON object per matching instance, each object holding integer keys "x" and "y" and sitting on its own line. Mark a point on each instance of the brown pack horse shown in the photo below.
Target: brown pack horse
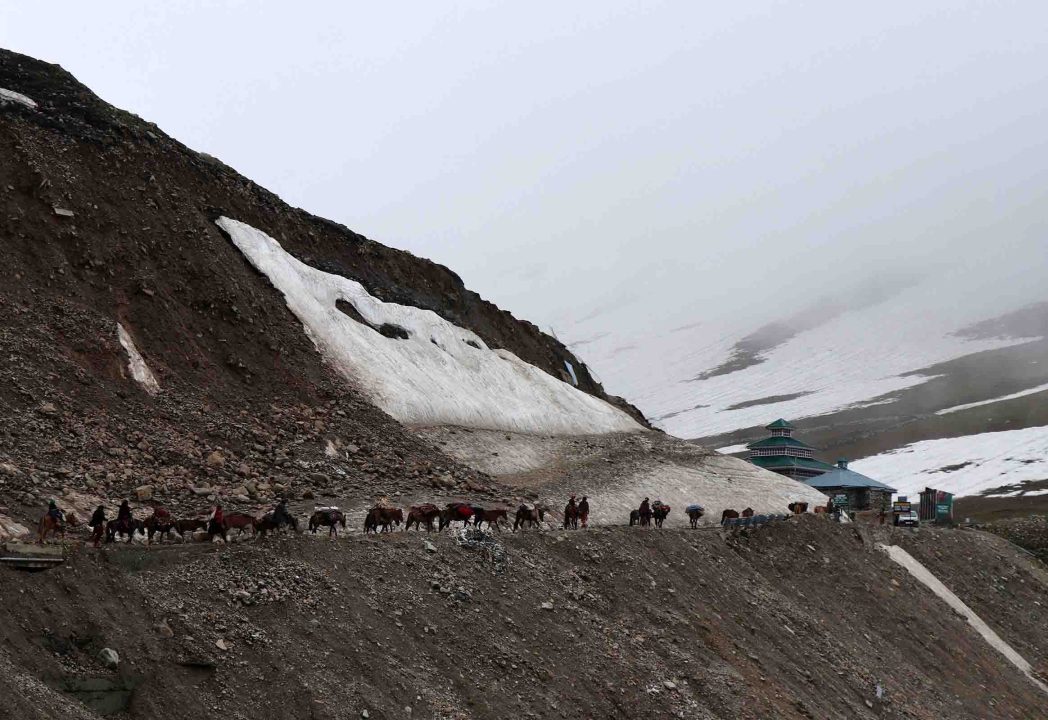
{"x": 659, "y": 511}
{"x": 332, "y": 518}
{"x": 237, "y": 521}
{"x": 455, "y": 512}
{"x": 52, "y": 525}
{"x": 116, "y": 528}
{"x": 729, "y": 515}
{"x": 189, "y": 525}
{"x": 387, "y": 517}
{"x": 270, "y": 522}
{"x": 159, "y": 523}
{"x": 419, "y": 515}
{"x": 694, "y": 513}
{"x": 529, "y": 517}
{"x": 797, "y": 508}
{"x": 571, "y": 514}
{"x": 490, "y": 517}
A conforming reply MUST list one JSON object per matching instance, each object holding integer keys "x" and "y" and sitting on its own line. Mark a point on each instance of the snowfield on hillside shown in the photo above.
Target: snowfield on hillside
{"x": 967, "y": 465}
{"x": 847, "y": 361}
{"x": 422, "y": 369}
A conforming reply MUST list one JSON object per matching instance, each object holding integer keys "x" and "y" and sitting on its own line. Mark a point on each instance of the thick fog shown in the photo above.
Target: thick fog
{"x": 649, "y": 164}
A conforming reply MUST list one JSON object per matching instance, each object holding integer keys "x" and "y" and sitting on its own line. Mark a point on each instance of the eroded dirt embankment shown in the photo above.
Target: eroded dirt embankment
{"x": 801, "y": 620}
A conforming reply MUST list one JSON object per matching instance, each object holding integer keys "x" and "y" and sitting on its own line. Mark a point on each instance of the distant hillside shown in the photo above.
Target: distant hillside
{"x": 921, "y": 360}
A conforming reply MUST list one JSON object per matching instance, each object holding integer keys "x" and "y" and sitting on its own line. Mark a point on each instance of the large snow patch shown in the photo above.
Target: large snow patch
{"x": 440, "y": 373}
{"x": 967, "y": 465}
{"x": 853, "y": 360}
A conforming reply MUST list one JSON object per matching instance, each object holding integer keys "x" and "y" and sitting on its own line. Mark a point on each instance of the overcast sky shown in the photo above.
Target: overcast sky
{"x": 647, "y": 159}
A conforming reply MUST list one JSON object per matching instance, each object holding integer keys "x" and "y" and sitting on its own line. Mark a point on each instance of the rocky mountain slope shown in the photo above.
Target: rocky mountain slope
{"x": 805, "y": 619}
{"x": 155, "y": 351}
{"x": 111, "y": 253}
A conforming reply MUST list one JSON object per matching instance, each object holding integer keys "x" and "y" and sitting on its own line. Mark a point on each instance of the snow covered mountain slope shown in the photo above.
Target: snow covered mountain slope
{"x": 417, "y": 366}
{"x": 857, "y": 375}
{"x": 712, "y": 378}
{"x": 996, "y": 464}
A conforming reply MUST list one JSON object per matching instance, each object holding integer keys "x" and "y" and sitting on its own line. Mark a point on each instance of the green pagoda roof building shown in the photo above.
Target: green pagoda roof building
{"x": 783, "y": 454}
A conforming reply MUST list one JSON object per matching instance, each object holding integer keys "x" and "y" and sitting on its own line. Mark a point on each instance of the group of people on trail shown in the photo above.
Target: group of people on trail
{"x": 124, "y": 521}
{"x": 576, "y": 512}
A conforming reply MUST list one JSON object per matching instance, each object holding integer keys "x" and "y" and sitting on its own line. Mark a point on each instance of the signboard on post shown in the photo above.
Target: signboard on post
{"x": 943, "y": 507}
{"x": 901, "y": 506}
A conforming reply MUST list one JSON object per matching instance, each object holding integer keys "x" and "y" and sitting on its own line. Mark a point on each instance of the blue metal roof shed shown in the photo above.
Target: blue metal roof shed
{"x": 842, "y": 477}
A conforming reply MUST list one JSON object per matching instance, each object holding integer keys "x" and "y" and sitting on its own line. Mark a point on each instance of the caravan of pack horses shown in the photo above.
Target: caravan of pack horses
{"x": 381, "y": 518}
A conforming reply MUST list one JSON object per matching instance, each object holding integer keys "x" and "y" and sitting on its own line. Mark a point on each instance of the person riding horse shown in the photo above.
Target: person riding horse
{"x": 281, "y": 515}
{"x": 55, "y": 513}
{"x": 52, "y": 522}
{"x": 124, "y": 523}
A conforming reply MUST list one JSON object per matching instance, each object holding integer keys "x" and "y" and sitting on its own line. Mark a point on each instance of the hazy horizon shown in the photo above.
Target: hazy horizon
{"x": 656, "y": 162}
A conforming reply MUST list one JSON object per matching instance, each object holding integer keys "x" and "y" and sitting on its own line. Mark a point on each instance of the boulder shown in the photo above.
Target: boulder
{"x": 109, "y": 657}
{"x": 144, "y": 492}
{"x": 10, "y": 530}
{"x": 216, "y": 459}
{"x": 164, "y": 630}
